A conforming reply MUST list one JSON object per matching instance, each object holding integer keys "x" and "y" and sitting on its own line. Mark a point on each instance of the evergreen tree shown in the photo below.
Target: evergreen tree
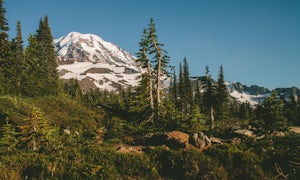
{"x": 244, "y": 110}
{"x": 18, "y": 63}
{"x": 290, "y": 107}
{"x": 161, "y": 60}
{"x": 221, "y": 95}
{"x": 46, "y": 59}
{"x": 270, "y": 115}
{"x": 188, "y": 92}
{"x": 35, "y": 131}
{"x": 141, "y": 101}
{"x": 209, "y": 98}
{"x": 8, "y": 140}
{"x": 146, "y": 83}
{"x": 198, "y": 95}
{"x": 5, "y": 66}
{"x": 181, "y": 92}
{"x": 2, "y": 84}
{"x": 196, "y": 118}
{"x": 298, "y": 110}
{"x": 174, "y": 89}
{"x": 31, "y": 85}
{"x": 72, "y": 88}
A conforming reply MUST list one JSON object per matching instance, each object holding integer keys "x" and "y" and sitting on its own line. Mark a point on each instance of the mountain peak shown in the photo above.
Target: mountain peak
{"x": 80, "y": 47}
{"x": 88, "y": 58}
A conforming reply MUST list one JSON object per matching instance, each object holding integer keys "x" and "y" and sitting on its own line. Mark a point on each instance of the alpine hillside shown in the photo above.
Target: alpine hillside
{"x": 95, "y": 62}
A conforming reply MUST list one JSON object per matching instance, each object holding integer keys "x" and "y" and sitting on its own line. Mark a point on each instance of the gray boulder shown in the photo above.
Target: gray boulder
{"x": 200, "y": 140}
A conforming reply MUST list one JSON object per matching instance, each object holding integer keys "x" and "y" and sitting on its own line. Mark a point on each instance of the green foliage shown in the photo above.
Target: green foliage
{"x": 61, "y": 111}
{"x": 197, "y": 121}
{"x": 270, "y": 117}
{"x": 47, "y": 81}
{"x": 18, "y": 74}
{"x": 291, "y": 109}
{"x": 36, "y": 132}
{"x": 8, "y": 138}
{"x": 239, "y": 163}
{"x": 187, "y": 165}
{"x": 278, "y": 152}
{"x": 5, "y": 65}
{"x": 73, "y": 89}
{"x": 221, "y": 96}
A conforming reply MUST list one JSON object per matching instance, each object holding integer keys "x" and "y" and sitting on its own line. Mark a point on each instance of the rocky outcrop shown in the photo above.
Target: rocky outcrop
{"x": 177, "y": 139}
{"x": 173, "y": 139}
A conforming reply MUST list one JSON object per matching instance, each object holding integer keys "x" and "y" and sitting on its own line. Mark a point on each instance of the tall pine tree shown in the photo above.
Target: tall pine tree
{"x": 160, "y": 60}
{"x": 188, "y": 92}
{"x": 181, "y": 92}
{"x": 31, "y": 85}
{"x": 209, "y": 98}
{"x": 47, "y": 61}
{"x": 146, "y": 84}
{"x": 19, "y": 66}
{"x": 198, "y": 95}
{"x": 221, "y": 95}
{"x": 5, "y": 67}
{"x": 174, "y": 89}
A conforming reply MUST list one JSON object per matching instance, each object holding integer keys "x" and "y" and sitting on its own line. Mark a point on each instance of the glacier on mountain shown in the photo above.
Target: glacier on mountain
{"x": 87, "y": 56}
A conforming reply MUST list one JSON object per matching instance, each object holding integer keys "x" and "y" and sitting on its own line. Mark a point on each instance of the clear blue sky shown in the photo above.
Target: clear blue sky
{"x": 256, "y": 41}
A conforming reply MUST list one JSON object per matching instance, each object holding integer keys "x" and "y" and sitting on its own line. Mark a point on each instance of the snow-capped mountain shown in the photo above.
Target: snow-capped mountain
{"x": 247, "y": 94}
{"x": 95, "y": 62}
{"x": 256, "y": 94}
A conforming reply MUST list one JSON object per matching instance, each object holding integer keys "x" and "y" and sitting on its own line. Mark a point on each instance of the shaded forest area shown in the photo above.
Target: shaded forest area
{"x": 50, "y": 129}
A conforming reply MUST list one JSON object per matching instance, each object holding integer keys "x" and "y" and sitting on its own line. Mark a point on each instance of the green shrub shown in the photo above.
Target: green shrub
{"x": 239, "y": 163}
{"x": 187, "y": 164}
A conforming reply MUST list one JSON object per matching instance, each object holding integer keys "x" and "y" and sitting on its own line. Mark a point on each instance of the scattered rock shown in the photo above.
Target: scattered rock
{"x": 244, "y": 132}
{"x": 295, "y": 129}
{"x": 76, "y": 133}
{"x": 122, "y": 148}
{"x": 278, "y": 134}
{"x": 236, "y": 140}
{"x": 67, "y": 131}
{"x": 200, "y": 140}
{"x": 99, "y": 135}
{"x": 215, "y": 140}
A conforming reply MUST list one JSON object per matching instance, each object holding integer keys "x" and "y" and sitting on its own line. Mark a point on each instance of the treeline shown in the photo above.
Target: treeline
{"x": 187, "y": 105}
{"x": 31, "y": 71}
